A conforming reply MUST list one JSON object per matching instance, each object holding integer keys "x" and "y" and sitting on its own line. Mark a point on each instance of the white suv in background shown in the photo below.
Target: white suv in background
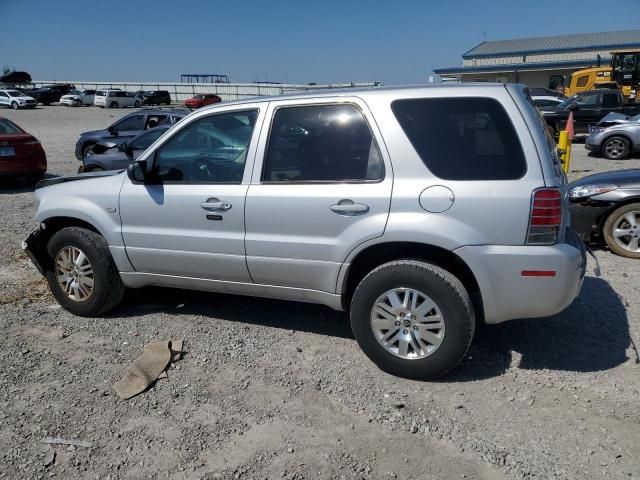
{"x": 16, "y": 99}
{"x": 116, "y": 98}
{"x": 77, "y": 98}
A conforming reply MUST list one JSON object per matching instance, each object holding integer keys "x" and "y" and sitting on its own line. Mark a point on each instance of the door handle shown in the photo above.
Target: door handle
{"x": 349, "y": 207}
{"x": 215, "y": 204}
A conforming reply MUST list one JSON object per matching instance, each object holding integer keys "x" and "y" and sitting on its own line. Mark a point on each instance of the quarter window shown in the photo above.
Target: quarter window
{"x": 462, "y": 138}
{"x": 324, "y": 143}
{"x": 212, "y": 149}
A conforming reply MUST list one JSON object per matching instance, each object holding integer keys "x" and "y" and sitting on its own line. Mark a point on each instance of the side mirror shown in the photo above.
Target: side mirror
{"x": 137, "y": 171}
{"x": 113, "y": 131}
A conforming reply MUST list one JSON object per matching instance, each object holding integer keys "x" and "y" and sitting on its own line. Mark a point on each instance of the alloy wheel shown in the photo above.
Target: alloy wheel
{"x": 615, "y": 148}
{"x": 74, "y": 274}
{"x": 407, "y": 323}
{"x": 626, "y": 231}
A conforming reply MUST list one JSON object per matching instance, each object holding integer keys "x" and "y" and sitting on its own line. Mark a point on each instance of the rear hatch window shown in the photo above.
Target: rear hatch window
{"x": 462, "y": 138}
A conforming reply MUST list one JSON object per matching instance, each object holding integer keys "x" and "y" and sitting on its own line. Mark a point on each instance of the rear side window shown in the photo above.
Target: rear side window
{"x": 328, "y": 143}
{"x": 462, "y": 138}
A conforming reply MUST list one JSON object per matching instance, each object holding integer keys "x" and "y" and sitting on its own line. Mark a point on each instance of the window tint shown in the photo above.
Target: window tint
{"x": 610, "y": 100}
{"x": 145, "y": 140}
{"x": 545, "y": 103}
{"x": 134, "y": 122}
{"x": 325, "y": 143}
{"x": 212, "y": 149}
{"x": 155, "y": 120}
{"x": 7, "y": 127}
{"x": 462, "y": 138}
{"x": 588, "y": 100}
{"x": 2, "y": 94}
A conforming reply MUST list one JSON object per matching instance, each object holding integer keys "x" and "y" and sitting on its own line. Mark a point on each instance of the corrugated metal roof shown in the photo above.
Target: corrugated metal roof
{"x": 575, "y": 42}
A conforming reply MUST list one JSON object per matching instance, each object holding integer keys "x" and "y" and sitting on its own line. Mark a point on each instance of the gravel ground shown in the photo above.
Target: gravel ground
{"x": 270, "y": 389}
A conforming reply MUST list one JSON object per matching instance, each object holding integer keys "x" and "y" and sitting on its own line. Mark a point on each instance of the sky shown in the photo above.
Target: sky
{"x": 396, "y": 42}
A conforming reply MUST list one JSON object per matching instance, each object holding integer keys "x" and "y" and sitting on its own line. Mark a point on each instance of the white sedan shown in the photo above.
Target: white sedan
{"x": 77, "y": 98}
{"x": 16, "y": 99}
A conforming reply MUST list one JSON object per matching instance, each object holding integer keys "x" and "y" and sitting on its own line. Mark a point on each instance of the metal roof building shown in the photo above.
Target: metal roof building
{"x": 538, "y": 61}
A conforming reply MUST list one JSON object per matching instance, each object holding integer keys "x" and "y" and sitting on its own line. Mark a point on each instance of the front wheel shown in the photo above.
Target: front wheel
{"x": 621, "y": 231}
{"x": 412, "y": 319}
{"x": 15, "y": 105}
{"x": 83, "y": 278}
{"x": 616, "y": 148}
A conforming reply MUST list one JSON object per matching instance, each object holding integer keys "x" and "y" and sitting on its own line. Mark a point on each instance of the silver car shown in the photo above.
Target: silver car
{"x": 615, "y": 142}
{"x": 421, "y": 211}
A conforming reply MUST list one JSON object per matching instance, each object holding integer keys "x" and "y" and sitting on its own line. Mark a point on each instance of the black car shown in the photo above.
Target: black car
{"x": 128, "y": 127}
{"x": 606, "y": 208}
{"x": 49, "y": 94}
{"x": 156, "y": 97}
{"x": 588, "y": 109}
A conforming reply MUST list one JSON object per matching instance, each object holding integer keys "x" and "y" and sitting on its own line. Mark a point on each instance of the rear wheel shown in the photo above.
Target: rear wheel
{"x": 412, "y": 319}
{"x": 137, "y": 104}
{"x": 83, "y": 279}
{"x": 114, "y": 105}
{"x": 621, "y": 231}
{"x": 616, "y": 148}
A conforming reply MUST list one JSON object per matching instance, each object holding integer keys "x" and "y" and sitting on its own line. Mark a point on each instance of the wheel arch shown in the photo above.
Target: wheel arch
{"x": 375, "y": 255}
{"x": 624, "y": 135}
{"x": 603, "y": 218}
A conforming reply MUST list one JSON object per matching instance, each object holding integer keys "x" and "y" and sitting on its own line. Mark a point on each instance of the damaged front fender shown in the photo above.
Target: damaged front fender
{"x": 35, "y": 246}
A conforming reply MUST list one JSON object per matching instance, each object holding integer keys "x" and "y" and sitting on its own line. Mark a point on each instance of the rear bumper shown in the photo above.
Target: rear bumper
{"x": 507, "y": 294}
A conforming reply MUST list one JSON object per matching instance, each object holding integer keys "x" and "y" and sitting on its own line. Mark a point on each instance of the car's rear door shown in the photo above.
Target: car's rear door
{"x": 321, "y": 186}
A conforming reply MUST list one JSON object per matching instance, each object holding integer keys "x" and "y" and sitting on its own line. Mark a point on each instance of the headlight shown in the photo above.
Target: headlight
{"x": 584, "y": 191}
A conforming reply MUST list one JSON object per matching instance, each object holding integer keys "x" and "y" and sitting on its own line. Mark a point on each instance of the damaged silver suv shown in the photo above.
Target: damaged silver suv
{"x": 421, "y": 211}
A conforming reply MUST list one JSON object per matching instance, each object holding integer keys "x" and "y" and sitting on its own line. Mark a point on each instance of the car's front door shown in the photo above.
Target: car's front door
{"x": 189, "y": 221}
{"x": 129, "y": 127}
{"x": 321, "y": 186}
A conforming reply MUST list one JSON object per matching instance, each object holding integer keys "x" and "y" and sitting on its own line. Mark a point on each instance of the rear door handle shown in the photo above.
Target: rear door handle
{"x": 348, "y": 207}
{"x": 215, "y": 204}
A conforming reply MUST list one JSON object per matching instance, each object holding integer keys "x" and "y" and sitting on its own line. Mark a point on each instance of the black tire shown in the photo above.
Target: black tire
{"x": 137, "y": 104}
{"x": 86, "y": 149}
{"x": 444, "y": 289}
{"x": 612, "y": 222}
{"x": 616, "y": 148}
{"x": 15, "y": 105}
{"x": 113, "y": 105}
{"x": 108, "y": 289}
{"x": 94, "y": 168}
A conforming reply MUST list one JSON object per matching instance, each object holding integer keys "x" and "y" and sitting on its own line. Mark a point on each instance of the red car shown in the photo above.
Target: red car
{"x": 202, "y": 99}
{"x": 21, "y": 154}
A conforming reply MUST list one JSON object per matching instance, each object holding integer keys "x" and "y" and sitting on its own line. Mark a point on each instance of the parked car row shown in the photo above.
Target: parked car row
{"x": 68, "y": 95}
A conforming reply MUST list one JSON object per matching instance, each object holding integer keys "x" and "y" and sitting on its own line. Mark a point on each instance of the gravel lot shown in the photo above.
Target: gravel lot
{"x": 270, "y": 389}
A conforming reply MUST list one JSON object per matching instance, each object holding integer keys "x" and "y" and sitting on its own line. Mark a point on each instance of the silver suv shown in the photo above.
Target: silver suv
{"x": 421, "y": 211}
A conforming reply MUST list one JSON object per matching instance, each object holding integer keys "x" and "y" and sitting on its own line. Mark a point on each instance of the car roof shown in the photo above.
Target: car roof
{"x": 360, "y": 91}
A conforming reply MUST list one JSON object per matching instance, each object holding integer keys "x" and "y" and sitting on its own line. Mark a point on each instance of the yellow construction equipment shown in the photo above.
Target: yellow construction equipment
{"x": 623, "y": 73}
{"x": 564, "y": 147}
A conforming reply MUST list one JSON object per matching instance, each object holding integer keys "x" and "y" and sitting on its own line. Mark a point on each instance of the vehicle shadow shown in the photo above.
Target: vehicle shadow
{"x": 591, "y": 335}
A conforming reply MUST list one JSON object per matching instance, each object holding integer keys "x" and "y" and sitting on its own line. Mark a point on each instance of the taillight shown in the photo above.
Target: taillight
{"x": 545, "y": 220}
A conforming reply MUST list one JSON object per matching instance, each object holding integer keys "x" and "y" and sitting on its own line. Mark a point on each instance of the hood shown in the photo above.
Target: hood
{"x": 617, "y": 177}
{"x": 72, "y": 178}
{"x": 70, "y": 95}
{"x": 613, "y": 116}
{"x": 94, "y": 132}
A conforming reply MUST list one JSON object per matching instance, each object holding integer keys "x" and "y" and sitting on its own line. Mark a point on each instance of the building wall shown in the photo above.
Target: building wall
{"x": 532, "y": 79}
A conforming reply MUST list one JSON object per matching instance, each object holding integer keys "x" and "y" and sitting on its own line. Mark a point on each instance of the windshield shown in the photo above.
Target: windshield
{"x": 74, "y": 92}
{"x": 15, "y": 93}
{"x": 199, "y": 96}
